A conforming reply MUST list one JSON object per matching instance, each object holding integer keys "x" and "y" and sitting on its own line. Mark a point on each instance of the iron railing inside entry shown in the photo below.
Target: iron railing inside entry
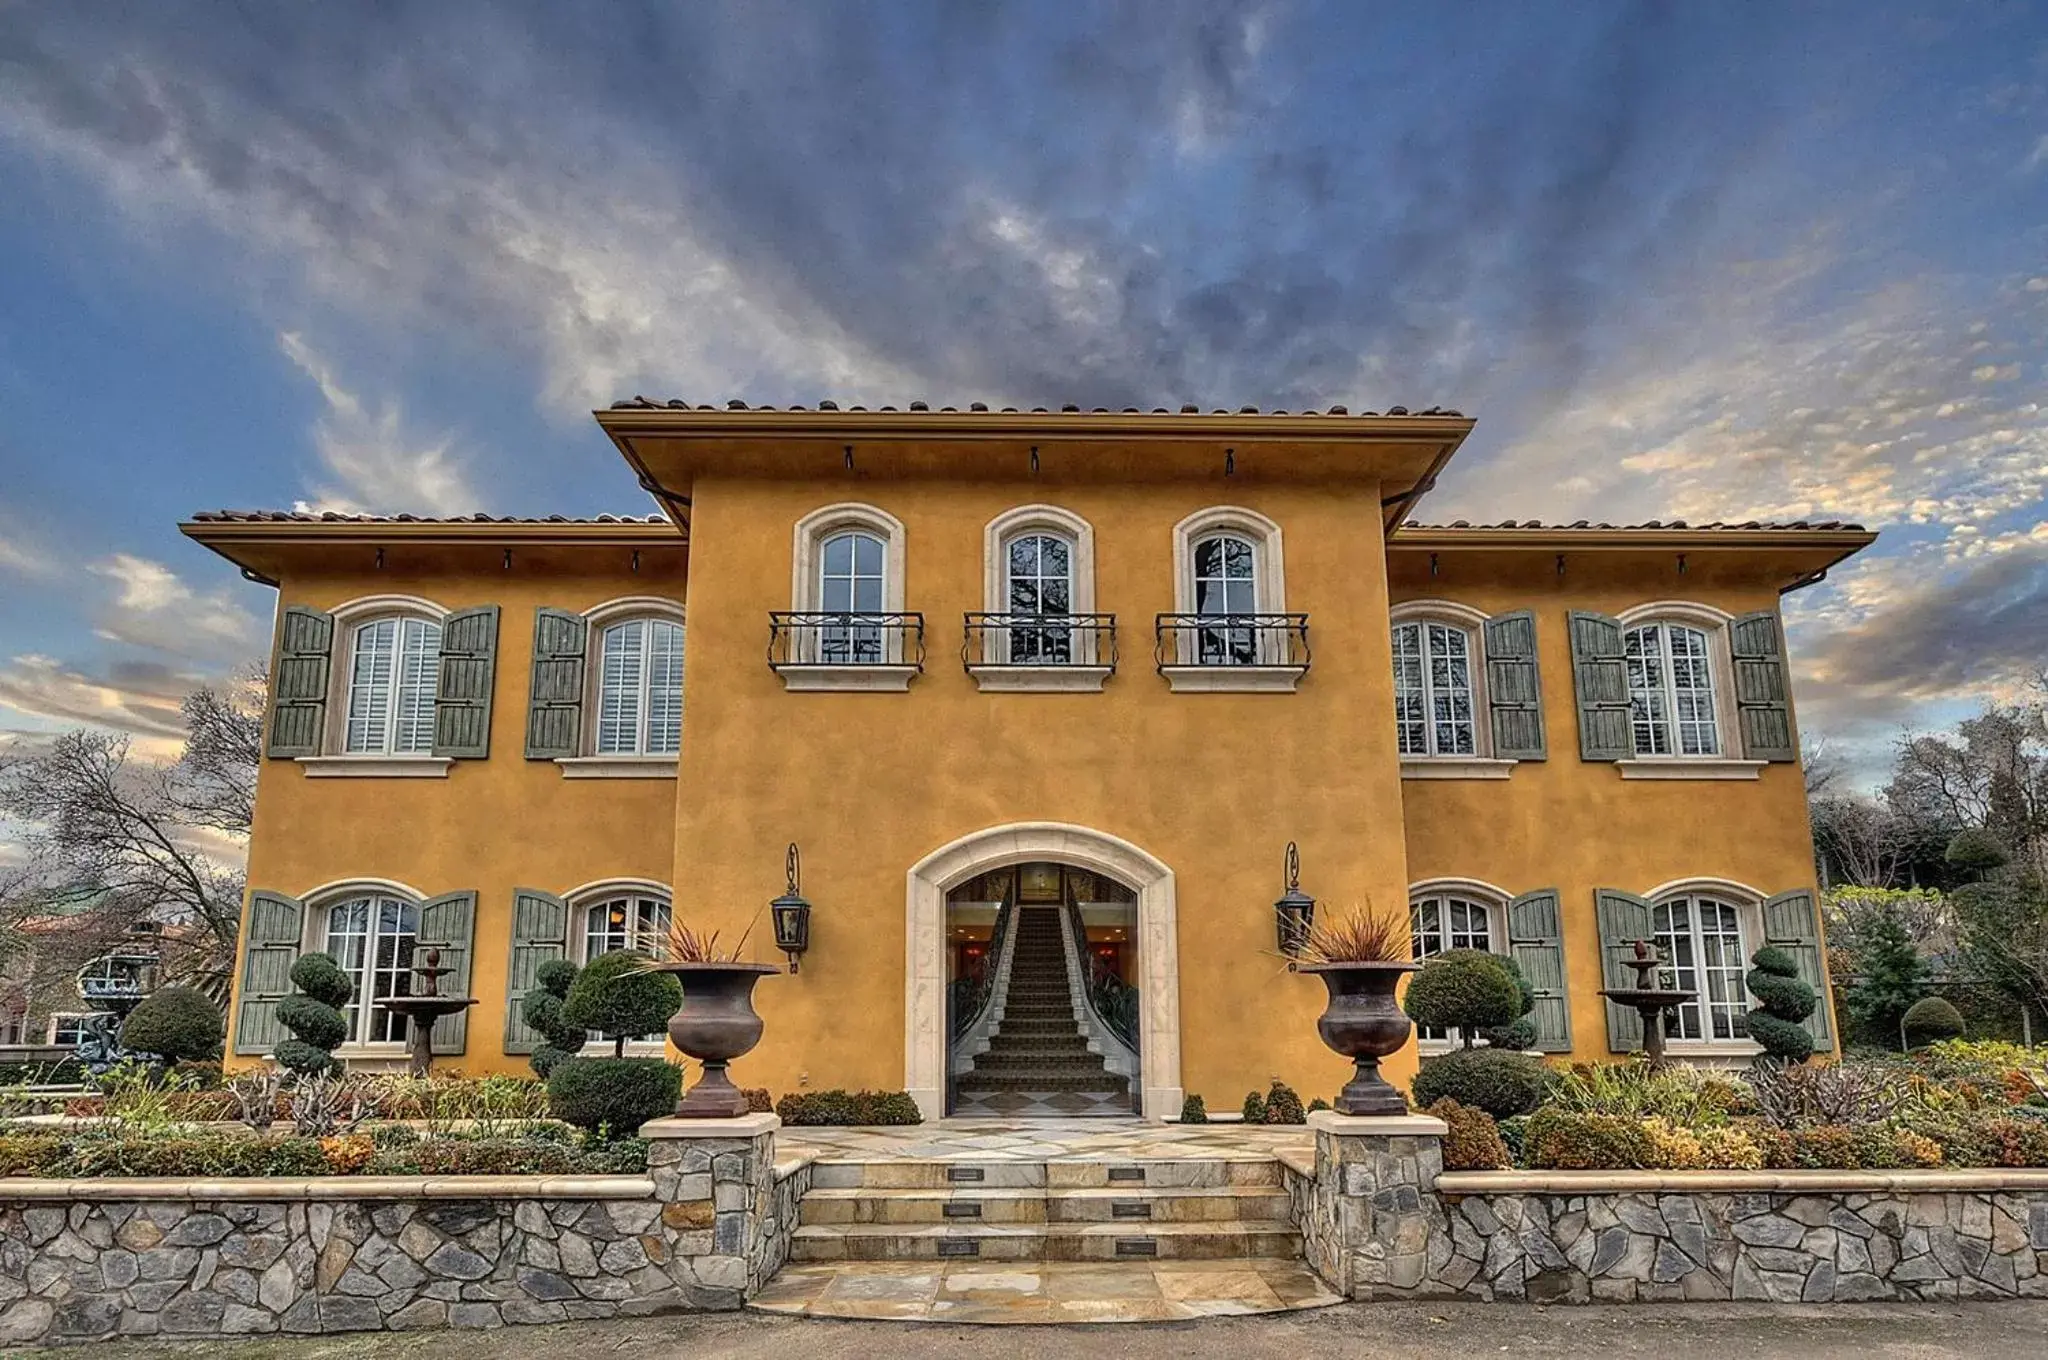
{"x": 845, "y": 639}
{"x": 1279, "y": 640}
{"x": 1039, "y": 640}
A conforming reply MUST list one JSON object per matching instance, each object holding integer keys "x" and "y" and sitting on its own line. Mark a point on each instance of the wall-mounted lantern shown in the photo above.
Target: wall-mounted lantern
{"x": 1295, "y": 912}
{"x": 790, "y": 912}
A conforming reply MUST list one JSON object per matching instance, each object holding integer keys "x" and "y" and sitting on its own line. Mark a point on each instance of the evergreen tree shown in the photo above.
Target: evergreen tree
{"x": 1891, "y": 978}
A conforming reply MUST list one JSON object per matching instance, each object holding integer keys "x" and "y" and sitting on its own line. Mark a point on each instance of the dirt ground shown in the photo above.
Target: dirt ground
{"x": 1989, "y": 1331}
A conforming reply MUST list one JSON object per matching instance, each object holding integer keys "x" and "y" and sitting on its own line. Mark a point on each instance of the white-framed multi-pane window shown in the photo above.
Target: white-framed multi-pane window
{"x": 1671, "y": 690}
{"x": 852, "y": 579}
{"x": 1226, "y": 582}
{"x": 1038, "y": 579}
{"x": 1435, "y": 700}
{"x": 371, "y": 937}
{"x": 1441, "y": 922}
{"x": 640, "y": 688}
{"x": 1701, "y": 941}
{"x": 392, "y": 670}
{"x": 628, "y": 921}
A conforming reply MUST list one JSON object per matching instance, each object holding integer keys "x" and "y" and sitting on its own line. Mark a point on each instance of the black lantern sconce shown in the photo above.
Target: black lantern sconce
{"x": 1295, "y": 912}
{"x": 791, "y": 913}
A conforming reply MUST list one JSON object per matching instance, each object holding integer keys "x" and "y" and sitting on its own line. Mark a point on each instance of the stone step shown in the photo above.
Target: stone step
{"x": 1004, "y": 1056}
{"x": 904, "y": 1173}
{"x": 967, "y": 1204}
{"x": 1044, "y": 1241}
{"x": 1039, "y": 1079}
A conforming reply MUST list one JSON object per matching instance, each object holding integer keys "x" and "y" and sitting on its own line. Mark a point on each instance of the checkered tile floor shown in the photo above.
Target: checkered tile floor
{"x": 1042, "y": 1105}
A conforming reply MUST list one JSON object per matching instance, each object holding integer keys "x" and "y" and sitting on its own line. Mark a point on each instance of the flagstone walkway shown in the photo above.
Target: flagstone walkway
{"x": 1048, "y": 1140}
{"x": 1044, "y": 1292}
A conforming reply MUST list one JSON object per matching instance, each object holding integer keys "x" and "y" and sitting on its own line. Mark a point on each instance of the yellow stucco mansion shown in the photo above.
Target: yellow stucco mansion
{"x": 1041, "y": 698}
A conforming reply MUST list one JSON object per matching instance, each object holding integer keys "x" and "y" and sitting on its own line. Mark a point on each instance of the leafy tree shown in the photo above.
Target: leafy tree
{"x": 616, "y": 996}
{"x": 1464, "y": 989}
{"x": 1779, "y": 1021}
{"x": 1889, "y": 977}
{"x": 543, "y": 1007}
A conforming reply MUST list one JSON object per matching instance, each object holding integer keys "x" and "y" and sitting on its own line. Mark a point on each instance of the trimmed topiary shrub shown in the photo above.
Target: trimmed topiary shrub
{"x": 1283, "y": 1106}
{"x": 613, "y": 1096}
{"x": 1254, "y": 1108}
{"x": 1466, "y": 990}
{"x": 1519, "y": 1033}
{"x": 313, "y": 1015}
{"x": 840, "y": 1108}
{"x": 1193, "y": 1111}
{"x": 543, "y": 1009}
{"x": 1784, "y": 1003}
{"x": 758, "y": 1100}
{"x": 617, "y": 997}
{"x": 177, "y": 1024}
{"x": 1929, "y": 1019}
{"x": 1472, "y": 1142}
{"x": 1497, "y": 1080}
{"x": 1977, "y": 851}
{"x": 1318, "y": 1104}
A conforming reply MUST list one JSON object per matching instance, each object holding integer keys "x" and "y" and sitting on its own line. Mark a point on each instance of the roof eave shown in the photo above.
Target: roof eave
{"x": 1043, "y": 426}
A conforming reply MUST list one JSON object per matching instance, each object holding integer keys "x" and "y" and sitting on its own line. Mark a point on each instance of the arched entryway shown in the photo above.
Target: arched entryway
{"x": 925, "y": 984}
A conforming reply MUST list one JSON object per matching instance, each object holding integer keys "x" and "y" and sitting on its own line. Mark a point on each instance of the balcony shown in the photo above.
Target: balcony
{"x": 1216, "y": 653}
{"x": 1046, "y": 653}
{"x": 846, "y": 651}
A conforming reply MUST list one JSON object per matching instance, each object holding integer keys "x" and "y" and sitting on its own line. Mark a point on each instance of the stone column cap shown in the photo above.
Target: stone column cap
{"x": 744, "y": 1126}
{"x": 1377, "y": 1126}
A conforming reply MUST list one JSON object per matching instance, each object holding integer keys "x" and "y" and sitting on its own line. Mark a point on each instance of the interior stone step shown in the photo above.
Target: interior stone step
{"x": 967, "y": 1204}
{"x": 1156, "y": 1174}
{"x": 1113, "y": 1241}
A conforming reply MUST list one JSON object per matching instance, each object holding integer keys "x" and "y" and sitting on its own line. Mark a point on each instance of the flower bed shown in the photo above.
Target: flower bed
{"x": 385, "y": 1151}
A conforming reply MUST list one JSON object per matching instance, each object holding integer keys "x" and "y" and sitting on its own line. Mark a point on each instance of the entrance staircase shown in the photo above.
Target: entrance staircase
{"x": 1038, "y": 1049}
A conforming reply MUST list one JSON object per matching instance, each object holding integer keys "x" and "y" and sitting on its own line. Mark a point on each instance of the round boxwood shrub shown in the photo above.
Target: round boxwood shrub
{"x": 1784, "y": 1002}
{"x": 1193, "y": 1111}
{"x": 1283, "y": 1106}
{"x": 313, "y": 1015}
{"x": 1976, "y": 850}
{"x": 616, "y": 996}
{"x": 543, "y": 1010}
{"x": 613, "y": 1095}
{"x": 1472, "y": 1141}
{"x": 1497, "y": 1080}
{"x": 1931, "y": 1018}
{"x": 177, "y": 1024}
{"x": 1464, "y": 989}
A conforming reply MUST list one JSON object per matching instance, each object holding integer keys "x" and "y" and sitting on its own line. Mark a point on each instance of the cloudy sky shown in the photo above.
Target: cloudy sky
{"x": 1704, "y": 260}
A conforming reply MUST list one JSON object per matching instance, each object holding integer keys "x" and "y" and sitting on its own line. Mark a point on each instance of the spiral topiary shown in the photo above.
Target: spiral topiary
{"x": 1784, "y": 1002}
{"x": 1464, "y": 989}
{"x": 543, "y": 1010}
{"x": 313, "y": 1015}
{"x": 1931, "y": 1018}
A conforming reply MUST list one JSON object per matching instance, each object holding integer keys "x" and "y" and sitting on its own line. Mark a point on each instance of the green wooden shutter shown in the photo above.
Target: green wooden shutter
{"x": 298, "y": 695}
{"x": 554, "y": 715}
{"x": 1514, "y": 690}
{"x": 1600, "y": 676}
{"x": 276, "y": 924}
{"x": 462, "y": 697}
{"x": 1536, "y": 941}
{"x": 1624, "y": 919}
{"x": 1763, "y": 703}
{"x": 448, "y": 923}
{"x": 1793, "y": 925}
{"x": 540, "y": 931}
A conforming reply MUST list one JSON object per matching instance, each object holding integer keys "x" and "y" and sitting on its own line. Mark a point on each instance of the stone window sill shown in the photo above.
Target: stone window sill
{"x": 617, "y": 767}
{"x": 846, "y": 679}
{"x": 1232, "y": 679}
{"x": 1039, "y": 679}
{"x": 1455, "y": 767}
{"x": 376, "y": 767}
{"x": 1690, "y": 767}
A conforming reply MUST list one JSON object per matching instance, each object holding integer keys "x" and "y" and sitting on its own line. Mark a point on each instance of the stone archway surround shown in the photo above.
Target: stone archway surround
{"x": 997, "y": 847}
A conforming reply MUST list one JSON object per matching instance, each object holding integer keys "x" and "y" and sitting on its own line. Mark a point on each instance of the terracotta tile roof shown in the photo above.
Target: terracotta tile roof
{"x": 338, "y": 517}
{"x": 1187, "y": 409}
{"x": 1754, "y": 525}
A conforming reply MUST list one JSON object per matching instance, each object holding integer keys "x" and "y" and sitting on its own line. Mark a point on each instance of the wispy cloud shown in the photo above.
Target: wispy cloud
{"x": 371, "y": 461}
{"x": 141, "y": 699}
{"x": 151, "y": 606}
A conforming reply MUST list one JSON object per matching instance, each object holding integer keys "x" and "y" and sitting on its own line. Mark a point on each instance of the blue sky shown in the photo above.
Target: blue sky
{"x": 1713, "y": 261}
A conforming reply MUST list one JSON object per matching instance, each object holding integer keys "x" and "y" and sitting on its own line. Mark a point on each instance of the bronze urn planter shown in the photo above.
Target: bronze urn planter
{"x": 1364, "y": 1023}
{"x": 716, "y": 1024}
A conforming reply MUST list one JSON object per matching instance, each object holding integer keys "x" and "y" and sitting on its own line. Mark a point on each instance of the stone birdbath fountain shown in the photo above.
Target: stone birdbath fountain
{"x": 423, "y": 1008}
{"x": 1647, "y": 999}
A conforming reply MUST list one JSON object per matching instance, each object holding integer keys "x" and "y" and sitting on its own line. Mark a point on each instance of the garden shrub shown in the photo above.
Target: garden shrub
{"x": 1520, "y": 1033}
{"x": 313, "y": 1015}
{"x": 1562, "y": 1140}
{"x": 1283, "y": 1106}
{"x": 347, "y": 1153}
{"x": 29, "y": 1154}
{"x": 615, "y": 995}
{"x": 1828, "y": 1093}
{"x": 1994, "y": 1068}
{"x": 1318, "y": 1104}
{"x": 1986, "y": 1138}
{"x": 1784, "y": 1003}
{"x": 542, "y": 1010}
{"x": 1193, "y": 1111}
{"x": 174, "y": 1025}
{"x": 1464, "y": 989}
{"x": 615, "y": 1095}
{"x": 1472, "y": 1141}
{"x": 1977, "y": 850}
{"x": 1499, "y": 1081}
{"x": 1514, "y": 1131}
{"x": 1254, "y": 1108}
{"x": 758, "y": 1100}
{"x": 837, "y": 1107}
{"x": 510, "y": 1157}
{"x": 1637, "y": 1090}
{"x": 1929, "y": 1019}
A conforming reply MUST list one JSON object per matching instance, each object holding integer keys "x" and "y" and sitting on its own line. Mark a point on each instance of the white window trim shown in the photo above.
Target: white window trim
{"x": 313, "y": 938}
{"x": 580, "y": 899}
{"x": 1089, "y": 671}
{"x": 421, "y": 766}
{"x": 1270, "y": 592}
{"x": 1730, "y": 762}
{"x": 1495, "y": 899}
{"x": 334, "y": 759}
{"x": 587, "y": 763}
{"x": 805, "y": 555}
{"x": 1749, "y": 907}
{"x": 1481, "y": 764}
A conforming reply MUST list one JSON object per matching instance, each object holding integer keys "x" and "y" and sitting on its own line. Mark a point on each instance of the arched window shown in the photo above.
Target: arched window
{"x": 1226, "y": 583}
{"x": 1440, "y": 921}
{"x": 1672, "y": 706}
{"x": 393, "y": 667}
{"x": 640, "y": 688}
{"x": 1230, "y": 629}
{"x": 629, "y": 920}
{"x": 847, "y": 628}
{"x": 1038, "y": 570}
{"x": 1701, "y": 937}
{"x": 1435, "y": 699}
{"x": 371, "y": 936}
{"x": 852, "y": 580}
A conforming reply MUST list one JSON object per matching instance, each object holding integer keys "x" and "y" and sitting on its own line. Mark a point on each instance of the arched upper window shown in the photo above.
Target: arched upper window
{"x": 391, "y": 671}
{"x": 1672, "y": 711}
{"x": 1435, "y": 695}
{"x": 1230, "y": 628}
{"x": 371, "y": 935}
{"x": 853, "y": 581}
{"x": 1039, "y": 629}
{"x": 637, "y": 919}
{"x": 640, "y": 688}
{"x": 846, "y": 627}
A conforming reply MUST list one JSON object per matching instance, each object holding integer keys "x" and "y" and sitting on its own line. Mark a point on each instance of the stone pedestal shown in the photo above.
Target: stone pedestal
{"x": 728, "y": 1218}
{"x": 1372, "y": 1225}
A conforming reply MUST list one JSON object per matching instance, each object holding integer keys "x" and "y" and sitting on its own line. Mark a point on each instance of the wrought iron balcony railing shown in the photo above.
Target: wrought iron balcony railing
{"x": 1270, "y": 641}
{"x": 845, "y": 639}
{"x": 1020, "y": 640}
